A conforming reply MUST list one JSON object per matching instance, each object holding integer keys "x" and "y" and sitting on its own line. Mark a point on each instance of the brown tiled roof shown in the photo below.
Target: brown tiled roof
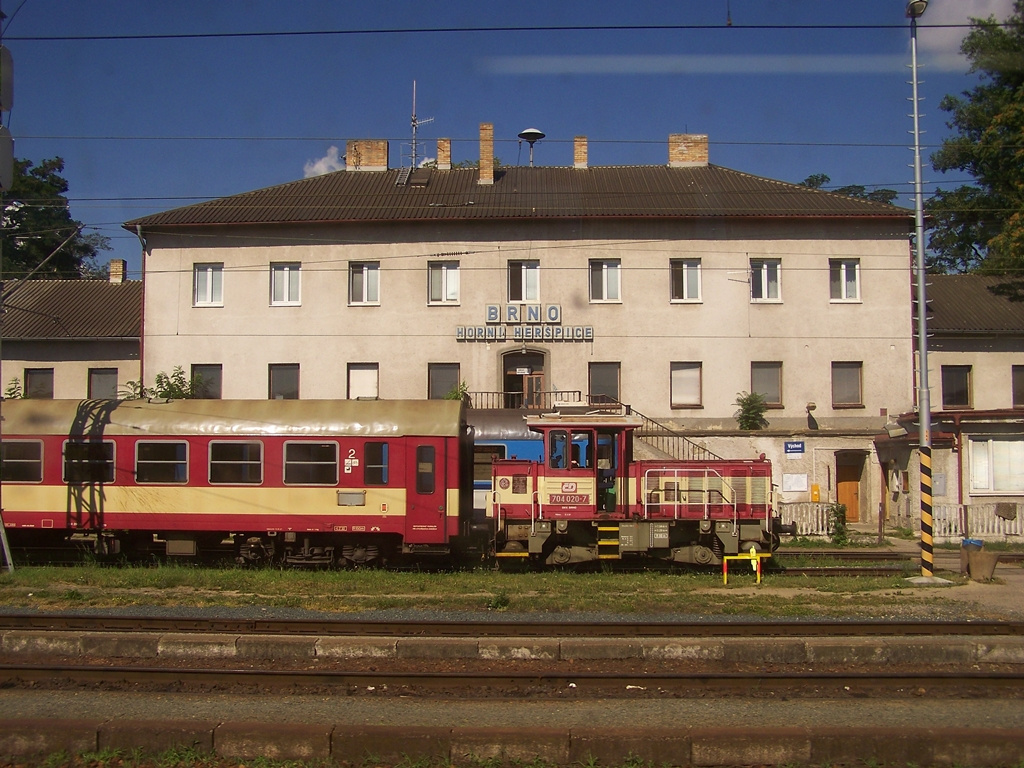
{"x": 973, "y": 304}
{"x": 75, "y": 309}
{"x": 521, "y": 193}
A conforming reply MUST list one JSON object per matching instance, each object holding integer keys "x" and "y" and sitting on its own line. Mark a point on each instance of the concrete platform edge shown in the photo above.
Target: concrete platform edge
{"x": 696, "y": 747}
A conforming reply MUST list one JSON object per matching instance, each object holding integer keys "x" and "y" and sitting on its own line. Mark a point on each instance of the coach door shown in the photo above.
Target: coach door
{"x": 426, "y": 492}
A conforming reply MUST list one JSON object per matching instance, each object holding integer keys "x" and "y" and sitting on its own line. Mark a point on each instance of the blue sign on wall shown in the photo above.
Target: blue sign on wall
{"x": 793, "y": 447}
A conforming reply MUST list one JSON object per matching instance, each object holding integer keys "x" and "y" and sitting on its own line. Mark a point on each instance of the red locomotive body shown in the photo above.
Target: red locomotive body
{"x": 589, "y": 499}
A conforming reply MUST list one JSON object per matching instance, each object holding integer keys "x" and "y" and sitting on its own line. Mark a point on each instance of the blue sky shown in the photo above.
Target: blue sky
{"x": 150, "y": 124}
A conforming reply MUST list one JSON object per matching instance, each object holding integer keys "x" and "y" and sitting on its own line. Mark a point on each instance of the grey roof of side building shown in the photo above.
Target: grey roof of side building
{"x": 521, "y": 193}
{"x": 73, "y": 309}
{"x": 965, "y": 304}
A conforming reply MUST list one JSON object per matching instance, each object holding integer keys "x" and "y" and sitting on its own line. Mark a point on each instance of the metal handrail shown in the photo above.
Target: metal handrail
{"x": 660, "y": 436}
{"x": 523, "y": 400}
{"x": 676, "y": 474}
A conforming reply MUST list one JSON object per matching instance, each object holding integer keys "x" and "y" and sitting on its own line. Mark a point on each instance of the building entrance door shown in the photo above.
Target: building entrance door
{"x": 849, "y": 469}
{"x": 523, "y": 379}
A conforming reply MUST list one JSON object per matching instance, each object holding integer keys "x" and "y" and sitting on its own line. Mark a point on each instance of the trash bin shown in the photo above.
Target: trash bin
{"x": 981, "y": 564}
{"x": 966, "y": 547}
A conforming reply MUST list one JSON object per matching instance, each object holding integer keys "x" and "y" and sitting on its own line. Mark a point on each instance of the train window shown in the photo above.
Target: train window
{"x": 483, "y": 457}
{"x": 89, "y": 462}
{"x": 311, "y": 463}
{"x": 425, "y": 469}
{"x": 236, "y": 463}
{"x": 375, "y": 463}
{"x": 161, "y": 462}
{"x": 556, "y": 451}
{"x": 21, "y": 461}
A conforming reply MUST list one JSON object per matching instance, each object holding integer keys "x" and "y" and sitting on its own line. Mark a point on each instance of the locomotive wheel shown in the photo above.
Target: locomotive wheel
{"x": 703, "y": 555}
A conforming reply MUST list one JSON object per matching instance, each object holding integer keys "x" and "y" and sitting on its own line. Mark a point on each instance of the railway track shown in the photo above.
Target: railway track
{"x": 513, "y": 681}
{"x": 503, "y": 628}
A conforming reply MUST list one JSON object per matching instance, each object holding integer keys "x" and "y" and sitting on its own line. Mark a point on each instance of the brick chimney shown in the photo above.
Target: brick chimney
{"x": 366, "y": 155}
{"x": 444, "y": 154}
{"x": 486, "y": 153}
{"x": 687, "y": 150}
{"x": 117, "y": 270}
{"x": 579, "y": 152}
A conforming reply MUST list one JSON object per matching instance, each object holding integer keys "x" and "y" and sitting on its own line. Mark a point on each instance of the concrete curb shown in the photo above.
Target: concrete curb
{"x": 697, "y": 747}
{"x": 788, "y": 650}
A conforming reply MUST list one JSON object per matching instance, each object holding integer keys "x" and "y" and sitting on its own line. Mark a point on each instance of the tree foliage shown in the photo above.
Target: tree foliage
{"x": 174, "y": 386}
{"x": 881, "y": 195}
{"x": 752, "y": 407}
{"x": 979, "y": 227}
{"x": 36, "y": 220}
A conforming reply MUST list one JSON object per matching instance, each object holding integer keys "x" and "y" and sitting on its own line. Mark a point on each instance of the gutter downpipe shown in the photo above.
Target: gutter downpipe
{"x": 142, "y": 309}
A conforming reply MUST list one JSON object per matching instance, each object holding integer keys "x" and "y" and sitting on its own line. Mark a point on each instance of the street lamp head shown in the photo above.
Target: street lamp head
{"x": 915, "y": 8}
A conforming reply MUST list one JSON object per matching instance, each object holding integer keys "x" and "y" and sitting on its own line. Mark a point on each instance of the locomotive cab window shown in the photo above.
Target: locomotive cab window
{"x": 425, "y": 463}
{"x": 558, "y": 439}
{"x": 236, "y": 463}
{"x": 21, "y": 461}
{"x": 311, "y": 463}
{"x": 161, "y": 462}
{"x": 375, "y": 463}
{"x": 88, "y": 462}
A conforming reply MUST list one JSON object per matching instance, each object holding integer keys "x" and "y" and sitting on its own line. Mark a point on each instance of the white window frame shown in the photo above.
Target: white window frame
{"x": 989, "y": 457}
{"x": 688, "y": 267}
{"x": 529, "y": 280}
{"x": 683, "y": 377}
{"x": 287, "y": 277}
{"x": 838, "y": 289}
{"x": 447, "y": 282}
{"x": 370, "y": 288}
{"x": 609, "y": 282}
{"x": 764, "y": 274}
{"x": 208, "y": 285}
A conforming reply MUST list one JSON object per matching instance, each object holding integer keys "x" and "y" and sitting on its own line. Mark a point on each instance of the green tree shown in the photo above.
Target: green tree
{"x": 174, "y": 386}
{"x": 819, "y": 180}
{"x": 979, "y": 227}
{"x": 36, "y": 220}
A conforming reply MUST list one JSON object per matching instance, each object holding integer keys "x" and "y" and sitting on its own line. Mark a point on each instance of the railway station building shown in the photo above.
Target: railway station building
{"x": 671, "y": 288}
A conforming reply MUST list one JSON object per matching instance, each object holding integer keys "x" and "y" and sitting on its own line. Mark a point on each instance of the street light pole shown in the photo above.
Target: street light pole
{"x": 915, "y": 9}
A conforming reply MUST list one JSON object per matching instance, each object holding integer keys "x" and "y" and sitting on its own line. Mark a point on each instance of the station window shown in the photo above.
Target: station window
{"x": 685, "y": 280}
{"x": 375, "y": 463}
{"x": 102, "y": 383}
{"x": 236, "y": 463}
{"x": 207, "y": 379}
{"x": 956, "y": 386}
{"x": 995, "y": 465}
{"x": 443, "y": 282}
{"x": 364, "y": 283}
{"x": 604, "y": 280}
{"x": 284, "y": 284}
{"x": 208, "y": 285}
{"x": 161, "y": 462}
{"x": 21, "y": 461}
{"x": 39, "y": 383}
{"x": 847, "y": 385}
{"x": 311, "y": 463}
{"x": 524, "y": 281}
{"x": 88, "y": 461}
{"x": 844, "y": 279}
{"x": 765, "y": 280}
{"x": 766, "y": 380}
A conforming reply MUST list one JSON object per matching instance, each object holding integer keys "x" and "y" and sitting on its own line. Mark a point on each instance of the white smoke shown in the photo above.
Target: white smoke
{"x": 330, "y": 162}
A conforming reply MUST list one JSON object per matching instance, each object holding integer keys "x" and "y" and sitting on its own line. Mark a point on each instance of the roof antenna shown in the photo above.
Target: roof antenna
{"x": 728, "y": 14}
{"x": 416, "y": 122}
{"x": 531, "y": 136}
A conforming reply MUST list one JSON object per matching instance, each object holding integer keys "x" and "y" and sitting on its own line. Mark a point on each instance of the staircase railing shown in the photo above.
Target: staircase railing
{"x": 662, "y": 437}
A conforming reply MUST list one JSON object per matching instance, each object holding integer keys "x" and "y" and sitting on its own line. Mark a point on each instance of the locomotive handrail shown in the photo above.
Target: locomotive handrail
{"x": 677, "y": 473}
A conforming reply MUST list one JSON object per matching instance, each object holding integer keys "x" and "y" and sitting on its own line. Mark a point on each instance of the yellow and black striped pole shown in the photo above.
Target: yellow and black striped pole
{"x": 924, "y": 411}
{"x": 927, "y": 548}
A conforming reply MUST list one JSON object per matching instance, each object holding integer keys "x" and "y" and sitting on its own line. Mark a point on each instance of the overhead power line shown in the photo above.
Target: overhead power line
{"x": 458, "y": 30}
